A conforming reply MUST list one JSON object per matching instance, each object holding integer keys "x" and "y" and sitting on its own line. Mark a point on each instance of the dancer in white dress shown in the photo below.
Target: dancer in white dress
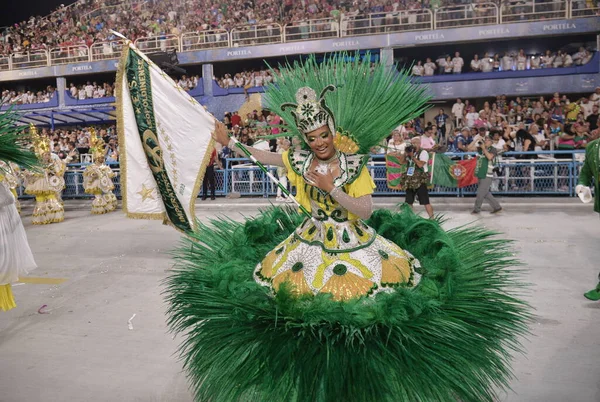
{"x": 16, "y": 258}
{"x": 15, "y": 255}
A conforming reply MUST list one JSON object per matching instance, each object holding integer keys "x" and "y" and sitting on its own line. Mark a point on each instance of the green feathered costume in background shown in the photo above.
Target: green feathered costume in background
{"x": 449, "y": 338}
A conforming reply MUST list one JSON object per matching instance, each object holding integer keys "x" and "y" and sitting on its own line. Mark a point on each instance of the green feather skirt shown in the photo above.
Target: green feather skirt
{"x": 450, "y": 338}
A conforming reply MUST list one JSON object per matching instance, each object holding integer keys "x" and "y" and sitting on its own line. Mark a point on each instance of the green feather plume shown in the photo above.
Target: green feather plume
{"x": 15, "y": 143}
{"x": 450, "y": 338}
{"x": 369, "y": 102}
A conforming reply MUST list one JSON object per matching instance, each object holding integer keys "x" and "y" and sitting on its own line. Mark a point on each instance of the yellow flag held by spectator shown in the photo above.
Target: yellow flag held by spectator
{"x": 165, "y": 143}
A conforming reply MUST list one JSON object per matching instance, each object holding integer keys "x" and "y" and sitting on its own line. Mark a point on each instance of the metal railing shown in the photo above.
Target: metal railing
{"x": 70, "y": 54}
{"x": 533, "y": 10}
{"x": 312, "y": 29}
{"x": 158, "y": 43}
{"x": 581, "y": 9}
{"x": 106, "y": 50}
{"x": 37, "y": 58}
{"x": 382, "y": 23}
{"x": 191, "y": 41}
{"x": 467, "y": 15}
{"x": 350, "y": 26}
{"x": 5, "y": 63}
{"x": 251, "y": 35}
{"x": 554, "y": 173}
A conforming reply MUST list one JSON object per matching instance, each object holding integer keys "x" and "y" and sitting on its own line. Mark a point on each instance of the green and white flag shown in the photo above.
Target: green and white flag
{"x": 165, "y": 143}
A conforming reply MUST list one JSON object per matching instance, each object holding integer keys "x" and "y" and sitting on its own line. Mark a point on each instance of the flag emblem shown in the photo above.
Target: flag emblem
{"x": 458, "y": 171}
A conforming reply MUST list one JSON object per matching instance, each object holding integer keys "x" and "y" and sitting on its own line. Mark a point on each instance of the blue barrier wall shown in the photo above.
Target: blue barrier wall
{"x": 514, "y": 177}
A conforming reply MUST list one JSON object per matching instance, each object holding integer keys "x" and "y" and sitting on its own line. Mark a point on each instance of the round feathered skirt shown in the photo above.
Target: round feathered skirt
{"x": 448, "y": 338}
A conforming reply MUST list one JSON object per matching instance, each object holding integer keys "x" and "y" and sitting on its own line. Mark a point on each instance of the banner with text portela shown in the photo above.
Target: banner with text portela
{"x": 165, "y": 143}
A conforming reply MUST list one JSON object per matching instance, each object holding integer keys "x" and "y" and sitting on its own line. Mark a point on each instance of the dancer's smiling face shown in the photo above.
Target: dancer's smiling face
{"x": 320, "y": 142}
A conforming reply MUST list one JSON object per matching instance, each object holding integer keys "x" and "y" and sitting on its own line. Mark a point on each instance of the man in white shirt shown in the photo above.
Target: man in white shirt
{"x": 429, "y": 67}
{"x": 89, "y": 90}
{"x": 577, "y": 57}
{"x": 586, "y": 107}
{"x": 476, "y": 64}
{"x": 487, "y": 63}
{"x": 507, "y": 62}
{"x": 73, "y": 90}
{"x": 457, "y": 63}
{"x": 457, "y": 111}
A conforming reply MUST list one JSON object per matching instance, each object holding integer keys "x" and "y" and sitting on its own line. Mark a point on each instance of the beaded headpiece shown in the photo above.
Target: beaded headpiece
{"x": 361, "y": 103}
{"x": 309, "y": 112}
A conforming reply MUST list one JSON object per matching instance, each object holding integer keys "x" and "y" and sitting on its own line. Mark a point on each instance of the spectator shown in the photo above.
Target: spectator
{"x": 440, "y": 120}
{"x": 429, "y": 68}
{"x": 457, "y": 63}
{"x": 457, "y": 111}
{"x": 418, "y": 69}
{"x": 427, "y": 141}
{"x": 592, "y": 119}
{"x": 476, "y": 64}
{"x": 417, "y": 177}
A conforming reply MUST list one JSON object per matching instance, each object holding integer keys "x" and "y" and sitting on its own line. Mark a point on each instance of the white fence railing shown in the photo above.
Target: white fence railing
{"x": 106, "y": 50}
{"x": 348, "y": 26}
{"x": 312, "y": 29}
{"x": 37, "y": 58}
{"x": 382, "y": 23}
{"x": 191, "y": 41}
{"x": 69, "y": 54}
{"x": 158, "y": 43}
{"x": 532, "y": 10}
{"x": 251, "y": 35}
{"x": 467, "y": 15}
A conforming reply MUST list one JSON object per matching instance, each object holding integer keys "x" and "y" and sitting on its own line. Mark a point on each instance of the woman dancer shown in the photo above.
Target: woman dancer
{"x": 342, "y": 303}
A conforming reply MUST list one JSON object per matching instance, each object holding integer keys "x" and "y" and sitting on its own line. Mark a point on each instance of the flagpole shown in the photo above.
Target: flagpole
{"x": 273, "y": 178}
{"x": 238, "y": 144}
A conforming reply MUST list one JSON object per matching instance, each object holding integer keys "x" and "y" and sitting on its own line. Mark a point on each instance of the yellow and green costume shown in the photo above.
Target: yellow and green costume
{"x": 335, "y": 253}
{"x": 328, "y": 307}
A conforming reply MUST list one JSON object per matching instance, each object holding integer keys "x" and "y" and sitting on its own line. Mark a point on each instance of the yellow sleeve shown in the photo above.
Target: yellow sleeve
{"x": 294, "y": 178}
{"x": 297, "y": 181}
{"x": 363, "y": 185}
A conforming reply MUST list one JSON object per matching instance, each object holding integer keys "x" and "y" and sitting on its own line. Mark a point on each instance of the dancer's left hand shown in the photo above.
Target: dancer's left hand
{"x": 322, "y": 181}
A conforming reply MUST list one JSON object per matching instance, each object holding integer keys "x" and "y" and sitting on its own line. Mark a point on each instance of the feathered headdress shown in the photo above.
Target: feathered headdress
{"x": 14, "y": 142}
{"x": 98, "y": 146}
{"x": 364, "y": 103}
{"x": 41, "y": 144}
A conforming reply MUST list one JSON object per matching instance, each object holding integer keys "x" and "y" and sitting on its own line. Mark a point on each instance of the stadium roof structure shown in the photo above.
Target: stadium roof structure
{"x": 69, "y": 117}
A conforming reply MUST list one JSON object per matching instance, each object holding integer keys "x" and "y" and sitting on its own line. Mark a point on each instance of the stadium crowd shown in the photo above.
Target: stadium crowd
{"x": 245, "y": 79}
{"x": 23, "y": 97}
{"x": 89, "y": 21}
{"x": 447, "y": 64}
{"x": 520, "y": 124}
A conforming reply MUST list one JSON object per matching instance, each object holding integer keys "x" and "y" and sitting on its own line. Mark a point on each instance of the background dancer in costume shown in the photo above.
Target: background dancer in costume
{"x": 590, "y": 175}
{"x": 45, "y": 184}
{"x": 350, "y": 304}
{"x": 97, "y": 179}
{"x": 15, "y": 255}
{"x": 9, "y": 174}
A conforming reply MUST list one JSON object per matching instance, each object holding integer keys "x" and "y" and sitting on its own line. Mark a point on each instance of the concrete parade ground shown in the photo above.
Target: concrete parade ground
{"x": 69, "y": 339}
